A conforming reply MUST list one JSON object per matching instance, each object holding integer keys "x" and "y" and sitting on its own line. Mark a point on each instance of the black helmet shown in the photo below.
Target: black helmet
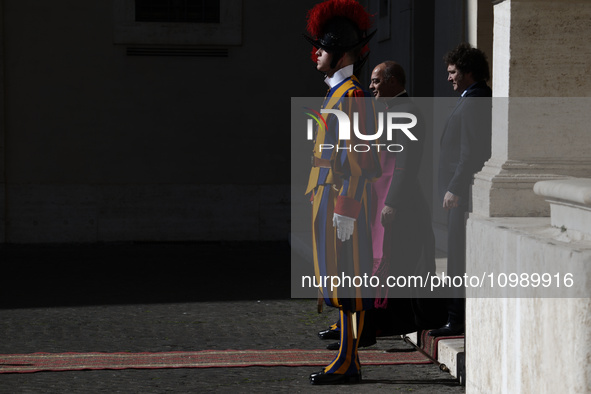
{"x": 338, "y": 26}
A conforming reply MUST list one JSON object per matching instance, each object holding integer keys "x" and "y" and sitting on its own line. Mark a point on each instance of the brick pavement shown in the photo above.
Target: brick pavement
{"x": 50, "y": 316}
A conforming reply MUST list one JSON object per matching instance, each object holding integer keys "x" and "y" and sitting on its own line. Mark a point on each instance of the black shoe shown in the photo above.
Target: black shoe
{"x": 329, "y": 334}
{"x": 448, "y": 330}
{"x": 362, "y": 343}
{"x": 334, "y": 378}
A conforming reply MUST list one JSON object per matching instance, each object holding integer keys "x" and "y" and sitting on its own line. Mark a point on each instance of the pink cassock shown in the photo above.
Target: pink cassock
{"x": 379, "y": 192}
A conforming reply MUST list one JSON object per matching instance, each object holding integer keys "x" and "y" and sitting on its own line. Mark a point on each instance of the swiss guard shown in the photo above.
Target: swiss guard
{"x": 340, "y": 177}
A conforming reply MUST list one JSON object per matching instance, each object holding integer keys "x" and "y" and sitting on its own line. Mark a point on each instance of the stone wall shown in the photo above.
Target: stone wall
{"x": 533, "y": 343}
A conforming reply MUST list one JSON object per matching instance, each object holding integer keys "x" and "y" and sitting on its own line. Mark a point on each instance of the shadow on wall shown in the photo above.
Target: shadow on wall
{"x": 127, "y": 273}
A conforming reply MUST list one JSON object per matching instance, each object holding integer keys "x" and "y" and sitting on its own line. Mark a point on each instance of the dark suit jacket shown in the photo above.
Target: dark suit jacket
{"x": 409, "y": 243}
{"x": 408, "y": 240}
{"x": 405, "y": 188}
{"x": 465, "y": 142}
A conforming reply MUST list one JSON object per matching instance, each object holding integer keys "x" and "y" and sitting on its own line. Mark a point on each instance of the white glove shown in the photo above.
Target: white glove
{"x": 344, "y": 225}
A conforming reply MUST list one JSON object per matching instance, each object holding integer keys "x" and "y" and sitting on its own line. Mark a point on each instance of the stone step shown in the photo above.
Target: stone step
{"x": 447, "y": 352}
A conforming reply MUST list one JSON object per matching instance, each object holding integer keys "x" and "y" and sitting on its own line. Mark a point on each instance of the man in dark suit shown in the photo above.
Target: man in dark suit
{"x": 402, "y": 233}
{"x": 465, "y": 146}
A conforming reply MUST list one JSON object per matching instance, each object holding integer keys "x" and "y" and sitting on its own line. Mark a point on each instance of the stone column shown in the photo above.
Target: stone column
{"x": 533, "y": 342}
{"x": 541, "y": 61}
{"x": 479, "y": 25}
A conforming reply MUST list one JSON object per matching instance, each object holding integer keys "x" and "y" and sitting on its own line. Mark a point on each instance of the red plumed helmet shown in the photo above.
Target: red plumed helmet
{"x": 338, "y": 26}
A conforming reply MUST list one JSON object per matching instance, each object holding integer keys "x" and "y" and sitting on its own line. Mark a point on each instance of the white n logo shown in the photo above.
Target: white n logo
{"x": 344, "y": 123}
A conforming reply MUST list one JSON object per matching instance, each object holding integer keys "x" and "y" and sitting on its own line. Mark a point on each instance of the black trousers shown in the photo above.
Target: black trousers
{"x": 456, "y": 259}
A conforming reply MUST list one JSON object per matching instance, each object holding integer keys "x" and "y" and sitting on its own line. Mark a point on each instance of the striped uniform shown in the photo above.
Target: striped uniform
{"x": 339, "y": 183}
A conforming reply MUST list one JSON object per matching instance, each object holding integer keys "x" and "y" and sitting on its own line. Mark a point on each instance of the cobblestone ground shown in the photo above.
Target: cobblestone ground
{"x": 275, "y": 324}
{"x": 187, "y": 325}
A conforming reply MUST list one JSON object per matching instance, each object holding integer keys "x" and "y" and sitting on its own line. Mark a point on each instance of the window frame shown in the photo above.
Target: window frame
{"x": 126, "y": 30}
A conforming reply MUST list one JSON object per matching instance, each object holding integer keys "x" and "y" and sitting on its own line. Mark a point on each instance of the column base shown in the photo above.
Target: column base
{"x": 506, "y": 189}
